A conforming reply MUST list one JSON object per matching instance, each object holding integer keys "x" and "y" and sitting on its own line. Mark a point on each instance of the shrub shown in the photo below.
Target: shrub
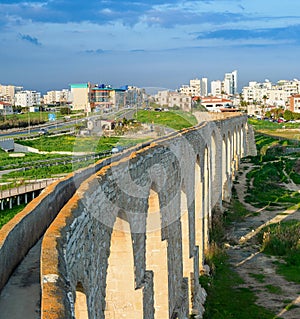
{"x": 281, "y": 239}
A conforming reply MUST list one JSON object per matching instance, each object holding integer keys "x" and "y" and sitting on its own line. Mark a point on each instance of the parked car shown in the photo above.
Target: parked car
{"x": 43, "y": 131}
{"x": 117, "y": 149}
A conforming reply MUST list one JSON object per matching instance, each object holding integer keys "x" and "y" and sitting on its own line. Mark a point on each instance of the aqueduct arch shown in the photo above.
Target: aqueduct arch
{"x": 107, "y": 221}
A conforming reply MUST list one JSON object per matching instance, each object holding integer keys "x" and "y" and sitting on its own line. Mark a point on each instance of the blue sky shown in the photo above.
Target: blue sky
{"x": 47, "y": 45}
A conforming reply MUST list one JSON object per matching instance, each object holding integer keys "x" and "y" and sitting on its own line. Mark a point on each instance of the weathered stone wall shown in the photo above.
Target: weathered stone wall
{"x": 116, "y": 200}
{"x": 27, "y": 227}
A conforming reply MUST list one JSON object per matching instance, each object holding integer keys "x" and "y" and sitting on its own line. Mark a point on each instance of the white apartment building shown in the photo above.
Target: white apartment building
{"x": 57, "y": 97}
{"x": 280, "y": 93}
{"x": 204, "y": 87}
{"x": 271, "y": 94}
{"x": 197, "y": 87}
{"x": 216, "y": 88}
{"x": 27, "y": 98}
{"x": 227, "y": 86}
{"x": 255, "y": 92}
{"x": 230, "y": 83}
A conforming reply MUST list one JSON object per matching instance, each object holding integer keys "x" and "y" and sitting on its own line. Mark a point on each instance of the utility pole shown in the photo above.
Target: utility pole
{"x": 28, "y": 121}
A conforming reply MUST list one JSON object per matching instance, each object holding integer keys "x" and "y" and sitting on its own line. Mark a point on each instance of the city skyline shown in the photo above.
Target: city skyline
{"x": 51, "y": 44}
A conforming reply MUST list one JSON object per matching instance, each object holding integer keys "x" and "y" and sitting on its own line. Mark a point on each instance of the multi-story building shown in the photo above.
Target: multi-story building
{"x": 5, "y": 108}
{"x": 271, "y": 94}
{"x": 197, "y": 87}
{"x": 162, "y": 97}
{"x": 174, "y": 99}
{"x": 216, "y": 88}
{"x": 230, "y": 83}
{"x": 106, "y": 99}
{"x": 280, "y": 93}
{"x": 228, "y": 86}
{"x": 204, "y": 87}
{"x": 7, "y": 93}
{"x": 57, "y": 97}
{"x": 295, "y": 103}
{"x": 81, "y": 96}
{"x": 255, "y": 92}
{"x": 27, "y": 98}
{"x": 135, "y": 96}
{"x": 93, "y": 97}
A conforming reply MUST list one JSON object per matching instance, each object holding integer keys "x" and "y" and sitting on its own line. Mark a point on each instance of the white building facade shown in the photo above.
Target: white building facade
{"x": 272, "y": 94}
{"x": 57, "y": 97}
{"x": 197, "y": 87}
{"x": 216, "y": 88}
{"x": 230, "y": 83}
{"x": 27, "y": 98}
{"x": 215, "y": 104}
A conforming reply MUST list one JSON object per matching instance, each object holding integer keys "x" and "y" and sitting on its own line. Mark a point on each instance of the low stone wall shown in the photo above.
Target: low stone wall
{"x": 24, "y": 230}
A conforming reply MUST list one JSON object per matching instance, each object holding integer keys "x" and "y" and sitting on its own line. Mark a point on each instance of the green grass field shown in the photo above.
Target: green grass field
{"x": 284, "y": 130}
{"x": 7, "y": 214}
{"x": 174, "y": 119}
{"x": 70, "y": 143}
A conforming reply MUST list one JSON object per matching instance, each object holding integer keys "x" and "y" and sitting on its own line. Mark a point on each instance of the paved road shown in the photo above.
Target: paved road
{"x": 33, "y": 129}
{"x": 20, "y": 298}
{"x": 129, "y": 113}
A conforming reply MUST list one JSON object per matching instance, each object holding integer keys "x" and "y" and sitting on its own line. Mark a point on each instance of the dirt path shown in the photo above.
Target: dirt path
{"x": 252, "y": 265}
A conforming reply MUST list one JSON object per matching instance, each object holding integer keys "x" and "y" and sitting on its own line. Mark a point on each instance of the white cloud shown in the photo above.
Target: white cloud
{"x": 160, "y": 39}
{"x": 106, "y": 11}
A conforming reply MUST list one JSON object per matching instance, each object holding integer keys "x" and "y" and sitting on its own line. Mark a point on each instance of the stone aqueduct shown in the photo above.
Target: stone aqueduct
{"x": 128, "y": 234}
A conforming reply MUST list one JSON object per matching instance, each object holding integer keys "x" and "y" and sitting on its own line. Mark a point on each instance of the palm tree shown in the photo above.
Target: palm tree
{"x": 264, "y": 105}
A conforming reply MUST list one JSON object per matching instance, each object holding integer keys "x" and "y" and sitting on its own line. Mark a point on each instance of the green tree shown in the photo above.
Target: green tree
{"x": 288, "y": 115}
{"x": 65, "y": 110}
{"x": 264, "y": 104}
